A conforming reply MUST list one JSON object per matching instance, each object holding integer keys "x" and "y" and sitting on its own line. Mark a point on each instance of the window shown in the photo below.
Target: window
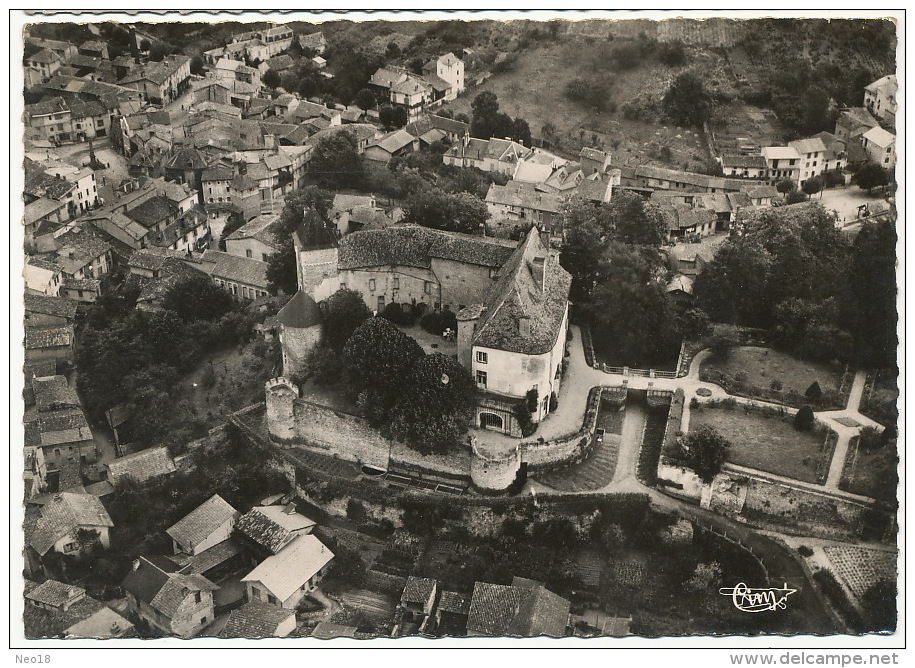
{"x": 396, "y": 283}
{"x": 203, "y": 620}
{"x": 380, "y": 303}
{"x": 248, "y": 253}
{"x": 482, "y": 358}
{"x": 428, "y": 288}
{"x": 372, "y": 285}
{"x": 481, "y": 378}
{"x": 197, "y": 599}
{"x": 71, "y": 547}
{"x": 265, "y": 257}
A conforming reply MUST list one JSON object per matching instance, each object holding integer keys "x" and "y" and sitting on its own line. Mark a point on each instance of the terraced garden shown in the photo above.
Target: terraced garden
{"x": 766, "y": 443}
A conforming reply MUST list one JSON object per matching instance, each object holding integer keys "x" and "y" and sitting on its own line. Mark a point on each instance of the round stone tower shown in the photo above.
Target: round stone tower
{"x": 300, "y": 331}
{"x": 281, "y": 395}
{"x": 493, "y": 468}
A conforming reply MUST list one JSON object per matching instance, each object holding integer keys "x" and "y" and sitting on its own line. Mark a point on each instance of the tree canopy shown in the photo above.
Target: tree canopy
{"x": 197, "y": 297}
{"x": 377, "y": 361}
{"x": 704, "y": 450}
{"x": 436, "y": 408}
{"x": 872, "y": 284}
{"x": 343, "y": 312}
{"x": 281, "y": 269}
{"x": 687, "y": 102}
{"x": 455, "y": 212}
{"x": 335, "y": 163}
{"x": 870, "y": 176}
{"x": 487, "y": 121}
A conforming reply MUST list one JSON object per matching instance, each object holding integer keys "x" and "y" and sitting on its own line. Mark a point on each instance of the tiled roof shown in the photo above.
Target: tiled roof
{"x": 54, "y": 593}
{"x": 743, "y": 161}
{"x": 451, "y": 601}
{"x": 524, "y": 608}
{"x": 437, "y": 82}
{"x": 255, "y": 620}
{"x": 200, "y": 523}
{"x": 56, "y": 427}
{"x": 89, "y": 284}
{"x": 415, "y": 246}
{"x": 887, "y": 83}
{"x": 761, "y": 192}
{"x": 262, "y": 228}
{"x": 217, "y": 173}
{"x": 50, "y": 305}
{"x": 44, "y": 56}
{"x": 520, "y": 293}
{"x": 418, "y": 590}
{"x": 55, "y": 337}
{"x": 65, "y": 513}
{"x": 35, "y": 211}
{"x": 42, "y": 623}
{"x": 105, "y": 623}
{"x": 523, "y": 197}
{"x": 247, "y": 271}
{"x": 80, "y": 247}
{"x": 810, "y": 145}
{"x": 163, "y": 591}
{"x": 209, "y": 558}
{"x": 53, "y": 392}
{"x": 152, "y": 211}
{"x": 329, "y": 631}
{"x": 617, "y": 627}
{"x": 300, "y": 312}
{"x": 780, "y": 153}
{"x": 56, "y": 105}
{"x": 394, "y": 141}
{"x": 270, "y": 527}
{"x": 880, "y": 137}
{"x": 287, "y": 570}
{"x": 142, "y": 465}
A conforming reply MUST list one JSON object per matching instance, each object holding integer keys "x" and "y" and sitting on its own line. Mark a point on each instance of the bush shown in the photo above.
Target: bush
{"x": 814, "y": 391}
{"x": 870, "y": 439}
{"x": 324, "y": 365}
{"x": 804, "y": 551}
{"x": 436, "y": 322}
{"x": 554, "y": 402}
{"x": 397, "y": 314}
{"x": 776, "y": 385}
{"x": 804, "y": 420}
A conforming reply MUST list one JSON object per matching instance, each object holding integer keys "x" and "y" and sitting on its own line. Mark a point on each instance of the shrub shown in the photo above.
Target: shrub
{"x": 355, "y": 511}
{"x": 324, "y": 365}
{"x": 776, "y": 385}
{"x": 436, "y": 322}
{"x": 397, "y": 314}
{"x": 741, "y": 376}
{"x": 804, "y": 420}
{"x": 554, "y": 402}
{"x": 721, "y": 345}
{"x": 814, "y": 391}
{"x": 870, "y": 439}
{"x": 804, "y": 551}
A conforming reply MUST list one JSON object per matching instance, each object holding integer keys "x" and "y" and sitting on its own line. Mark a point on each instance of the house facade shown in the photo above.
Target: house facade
{"x": 880, "y": 146}
{"x": 782, "y": 162}
{"x": 284, "y": 578}
{"x": 880, "y": 98}
{"x": 813, "y": 157}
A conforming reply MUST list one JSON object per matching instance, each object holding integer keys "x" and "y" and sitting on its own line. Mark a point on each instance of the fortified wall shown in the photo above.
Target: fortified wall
{"x": 293, "y": 421}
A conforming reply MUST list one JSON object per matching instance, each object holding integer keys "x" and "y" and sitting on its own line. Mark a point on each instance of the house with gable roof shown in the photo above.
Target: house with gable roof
{"x": 284, "y": 578}
{"x": 208, "y": 524}
{"x": 168, "y": 601}
{"x": 259, "y": 620}
{"x": 523, "y": 609}
{"x": 493, "y": 155}
{"x": 513, "y": 341}
{"x": 880, "y": 146}
{"x": 161, "y": 82}
{"x": 269, "y": 529}
{"x": 54, "y": 609}
{"x": 142, "y": 465}
{"x": 880, "y": 98}
{"x": 58, "y": 525}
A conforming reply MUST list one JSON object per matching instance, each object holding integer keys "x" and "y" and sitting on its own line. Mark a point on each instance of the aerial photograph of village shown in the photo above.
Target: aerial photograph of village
{"x": 383, "y": 327}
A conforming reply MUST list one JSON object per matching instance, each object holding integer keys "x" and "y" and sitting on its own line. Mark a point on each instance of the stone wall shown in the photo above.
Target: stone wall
{"x": 493, "y": 471}
{"x": 297, "y": 343}
{"x": 567, "y": 450}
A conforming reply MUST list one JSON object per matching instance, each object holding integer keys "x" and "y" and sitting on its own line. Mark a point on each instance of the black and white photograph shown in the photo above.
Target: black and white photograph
{"x": 492, "y": 329}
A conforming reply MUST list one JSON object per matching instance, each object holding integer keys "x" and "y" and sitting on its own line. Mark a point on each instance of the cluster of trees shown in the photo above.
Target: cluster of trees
{"x": 487, "y": 121}
{"x": 618, "y": 283}
{"x": 137, "y": 358}
{"x": 687, "y": 102}
{"x": 795, "y": 274}
{"x": 335, "y": 162}
{"x": 455, "y": 212}
{"x": 425, "y": 401}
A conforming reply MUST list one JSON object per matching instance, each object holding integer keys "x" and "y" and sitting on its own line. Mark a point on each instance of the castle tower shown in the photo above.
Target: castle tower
{"x": 300, "y": 332}
{"x": 494, "y": 468}
{"x": 281, "y": 396}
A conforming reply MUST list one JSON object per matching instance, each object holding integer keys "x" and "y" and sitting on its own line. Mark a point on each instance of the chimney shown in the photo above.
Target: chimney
{"x": 269, "y": 141}
{"x": 524, "y": 326}
{"x": 136, "y": 564}
{"x": 289, "y": 509}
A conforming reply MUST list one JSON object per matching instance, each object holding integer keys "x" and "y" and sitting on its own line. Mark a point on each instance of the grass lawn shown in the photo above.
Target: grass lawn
{"x": 764, "y": 443}
{"x": 871, "y": 472}
{"x": 762, "y": 366}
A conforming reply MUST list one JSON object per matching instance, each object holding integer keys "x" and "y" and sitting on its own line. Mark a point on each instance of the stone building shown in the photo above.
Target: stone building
{"x": 299, "y": 325}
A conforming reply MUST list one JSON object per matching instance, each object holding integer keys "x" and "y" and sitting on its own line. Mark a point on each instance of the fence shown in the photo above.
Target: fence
{"x": 635, "y": 373}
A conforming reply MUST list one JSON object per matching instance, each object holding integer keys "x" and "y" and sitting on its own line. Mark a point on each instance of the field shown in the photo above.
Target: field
{"x": 871, "y": 473}
{"x": 765, "y": 443}
{"x": 765, "y": 373}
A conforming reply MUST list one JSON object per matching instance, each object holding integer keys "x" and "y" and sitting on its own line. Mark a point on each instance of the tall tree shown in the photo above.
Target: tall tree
{"x": 335, "y": 162}
{"x": 457, "y": 212}
{"x": 687, "y": 102}
{"x": 197, "y": 297}
{"x": 281, "y": 269}
{"x": 870, "y": 176}
{"x": 377, "y": 360}
{"x": 873, "y": 287}
{"x": 704, "y": 450}
{"x": 365, "y": 99}
{"x": 437, "y": 406}
{"x": 343, "y": 312}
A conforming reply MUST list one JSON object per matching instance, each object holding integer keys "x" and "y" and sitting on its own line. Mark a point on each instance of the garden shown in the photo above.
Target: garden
{"x": 766, "y": 441}
{"x": 772, "y": 375}
{"x": 871, "y": 467}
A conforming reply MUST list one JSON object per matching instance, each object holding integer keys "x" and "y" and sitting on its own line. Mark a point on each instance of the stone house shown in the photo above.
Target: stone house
{"x": 493, "y": 155}
{"x": 210, "y": 523}
{"x": 813, "y": 157}
{"x": 419, "y": 595}
{"x": 744, "y": 166}
{"x": 450, "y": 69}
{"x": 256, "y": 239}
{"x": 161, "y": 82}
{"x": 392, "y": 145}
{"x": 299, "y": 325}
{"x": 48, "y": 311}
{"x": 854, "y": 122}
{"x": 521, "y": 203}
{"x": 880, "y": 98}
{"x": 57, "y": 528}
{"x": 168, "y": 601}
{"x": 49, "y": 343}
{"x": 42, "y": 277}
{"x": 55, "y": 609}
{"x": 142, "y": 465}
{"x": 514, "y": 340}
{"x": 880, "y": 146}
{"x": 259, "y": 620}
{"x": 782, "y": 162}
{"x": 284, "y": 578}
{"x": 246, "y": 278}
{"x": 523, "y": 609}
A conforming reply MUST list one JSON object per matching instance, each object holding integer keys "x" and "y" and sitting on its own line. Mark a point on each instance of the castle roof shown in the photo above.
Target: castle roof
{"x": 415, "y": 246}
{"x": 300, "y": 312}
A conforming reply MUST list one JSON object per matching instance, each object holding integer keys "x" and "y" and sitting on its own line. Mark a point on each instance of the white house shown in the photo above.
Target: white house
{"x": 782, "y": 162}
{"x": 284, "y": 578}
{"x": 880, "y": 97}
{"x": 880, "y": 146}
{"x": 813, "y": 157}
{"x": 207, "y": 525}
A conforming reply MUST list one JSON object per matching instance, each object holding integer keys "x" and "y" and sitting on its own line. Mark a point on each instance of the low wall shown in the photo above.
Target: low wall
{"x": 567, "y": 450}
{"x": 347, "y": 436}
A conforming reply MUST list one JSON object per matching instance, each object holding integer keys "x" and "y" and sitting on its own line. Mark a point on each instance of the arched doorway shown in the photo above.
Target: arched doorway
{"x": 491, "y": 421}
